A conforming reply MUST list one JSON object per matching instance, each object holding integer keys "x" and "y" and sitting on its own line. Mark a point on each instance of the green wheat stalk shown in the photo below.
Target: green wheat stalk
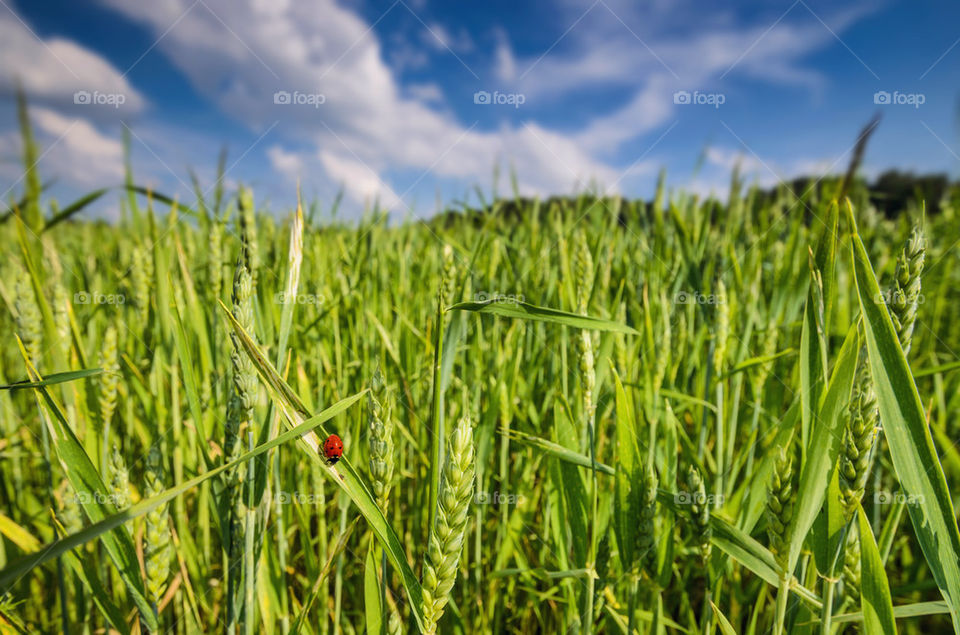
{"x": 447, "y": 534}
{"x": 158, "y": 547}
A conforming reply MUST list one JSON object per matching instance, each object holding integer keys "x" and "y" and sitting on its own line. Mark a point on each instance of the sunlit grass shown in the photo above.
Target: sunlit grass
{"x": 577, "y": 416}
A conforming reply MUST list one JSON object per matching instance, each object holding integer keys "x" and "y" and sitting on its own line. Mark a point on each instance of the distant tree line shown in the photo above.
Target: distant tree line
{"x": 894, "y": 191}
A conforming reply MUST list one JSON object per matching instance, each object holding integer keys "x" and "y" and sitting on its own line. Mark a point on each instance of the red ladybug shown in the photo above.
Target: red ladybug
{"x": 332, "y": 449}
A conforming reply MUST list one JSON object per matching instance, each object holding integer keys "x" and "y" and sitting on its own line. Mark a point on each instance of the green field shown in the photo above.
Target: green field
{"x": 577, "y": 415}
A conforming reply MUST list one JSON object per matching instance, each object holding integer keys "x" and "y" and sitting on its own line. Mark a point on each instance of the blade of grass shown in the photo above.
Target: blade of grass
{"x": 912, "y": 451}
{"x": 824, "y": 447}
{"x": 74, "y": 208}
{"x": 371, "y": 594}
{"x": 626, "y": 518}
{"x": 95, "y": 498}
{"x": 726, "y": 537}
{"x": 517, "y": 309}
{"x": 324, "y": 573}
{"x": 753, "y": 362}
{"x": 436, "y": 419}
{"x": 904, "y": 611}
{"x": 875, "y": 601}
{"x": 725, "y": 626}
{"x": 189, "y": 379}
{"x": 558, "y": 451}
{"x": 348, "y": 479}
{"x": 24, "y": 565}
{"x": 54, "y": 378}
{"x": 27, "y": 542}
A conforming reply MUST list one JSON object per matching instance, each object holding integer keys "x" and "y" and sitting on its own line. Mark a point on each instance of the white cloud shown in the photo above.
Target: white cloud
{"x": 370, "y": 125}
{"x": 765, "y": 172}
{"x": 605, "y": 49}
{"x": 729, "y": 159}
{"x": 438, "y": 37}
{"x": 290, "y": 164}
{"x": 505, "y": 64}
{"x": 404, "y": 56}
{"x": 426, "y": 93}
{"x": 73, "y": 152}
{"x": 76, "y": 150}
{"x": 650, "y": 107}
{"x": 71, "y": 149}
{"x": 53, "y": 70}
{"x": 366, "y": 118}
{"x": 76, "y": 97}
{"x": 359, "y": 180}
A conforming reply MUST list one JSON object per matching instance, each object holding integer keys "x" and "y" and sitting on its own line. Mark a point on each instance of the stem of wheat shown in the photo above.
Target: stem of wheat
{"x": 447, "y": 533}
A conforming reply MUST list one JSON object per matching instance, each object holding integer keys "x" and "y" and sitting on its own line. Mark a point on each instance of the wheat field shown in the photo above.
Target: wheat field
{"x": 583, "y": 414}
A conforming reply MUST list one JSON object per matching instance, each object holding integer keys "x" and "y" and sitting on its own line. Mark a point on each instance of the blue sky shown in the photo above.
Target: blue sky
{"x": 412, "y": 102}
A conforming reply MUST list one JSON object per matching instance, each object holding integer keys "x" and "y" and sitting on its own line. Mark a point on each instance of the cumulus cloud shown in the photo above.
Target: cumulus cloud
{"x": 76, "y": 100}
{"x": 426, "y": 93}
{"x": 360, "y": 180}
{"x": 505, "y": 62}
{"x": 730, "y": 159}
{"x": 608, "y": 47}
{"x": 61, "y": 73}
{"x": 720, "y": 161}
{"x": 290, "y": 164}
{"x": 364, "y": 118}
{"x": 769, "y": 170}
{"x": 77, "y": 150}
{"x": 438, "y": 37}
{"x": 321, "y": 74}
{"x": 73, "y": 151}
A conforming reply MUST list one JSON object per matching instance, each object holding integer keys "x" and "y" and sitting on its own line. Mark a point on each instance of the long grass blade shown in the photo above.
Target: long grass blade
{"x": 24, "y": 565}
{"x": 343, "y": 475}
{"x": 518, "y": 309}
{"x": 875, "y": 601}
{"x": 905, "y": 426}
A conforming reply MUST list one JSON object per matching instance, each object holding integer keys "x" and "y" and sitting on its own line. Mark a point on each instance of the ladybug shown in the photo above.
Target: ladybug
{"x": 332, "y": 449}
